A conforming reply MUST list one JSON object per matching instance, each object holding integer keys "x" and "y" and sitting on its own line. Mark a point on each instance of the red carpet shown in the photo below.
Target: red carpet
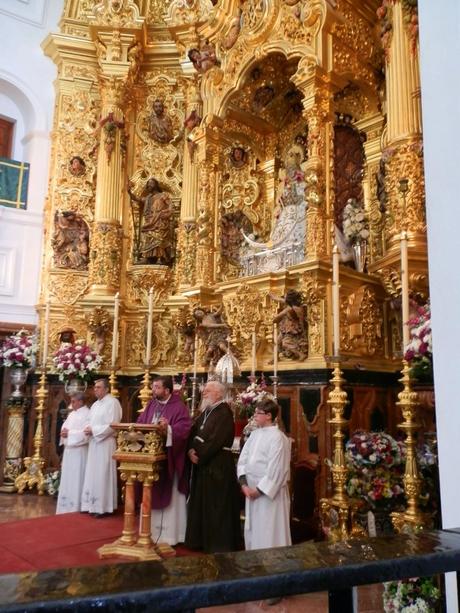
{"x": 59, "y": 541}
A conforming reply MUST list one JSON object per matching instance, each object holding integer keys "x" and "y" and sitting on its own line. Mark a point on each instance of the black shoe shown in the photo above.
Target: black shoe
{"x": 100, "y": 515}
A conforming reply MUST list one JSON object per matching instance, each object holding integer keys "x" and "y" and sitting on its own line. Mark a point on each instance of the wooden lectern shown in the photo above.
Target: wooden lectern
{"x": 140, "y": 451}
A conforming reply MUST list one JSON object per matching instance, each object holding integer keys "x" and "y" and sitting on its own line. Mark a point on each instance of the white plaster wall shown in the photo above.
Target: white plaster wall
{"x": 440, "y": 53}
{"x": 27, "y": 96}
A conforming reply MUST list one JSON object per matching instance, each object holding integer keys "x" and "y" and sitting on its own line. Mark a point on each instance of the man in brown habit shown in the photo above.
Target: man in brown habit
{"x": 213, "y": 522}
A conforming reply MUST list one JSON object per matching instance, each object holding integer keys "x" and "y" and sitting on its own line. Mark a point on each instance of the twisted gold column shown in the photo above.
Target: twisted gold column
{"x": 33, "y": 474}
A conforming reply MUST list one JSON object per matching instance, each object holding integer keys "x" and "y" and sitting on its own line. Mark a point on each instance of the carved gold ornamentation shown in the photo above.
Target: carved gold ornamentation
{"x": 68, "y": 288}
{"x": 315, "y": 295}
{"x": 105, "y": 254}
{"x": 364, "y": 317}
{"x": 406, "y": 161}
{"x": 141, "y": 279}
{"x": 186, "y": 243}
{"x": 135, "y": 349}
{"x": 116, "y": 13}
{"x": 244, "y": 311}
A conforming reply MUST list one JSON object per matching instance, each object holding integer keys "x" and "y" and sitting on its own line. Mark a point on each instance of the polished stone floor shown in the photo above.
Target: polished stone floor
{"x": 14, "y": 507}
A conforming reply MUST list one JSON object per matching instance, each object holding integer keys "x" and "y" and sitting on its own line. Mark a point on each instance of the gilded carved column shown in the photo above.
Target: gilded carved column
{"x": 119, "y": 53}
{"x": 403, "y": 154}
{"x": 187, "y": 239}
{"x": 317, "y": 111}
{"x": 205, "y": 224}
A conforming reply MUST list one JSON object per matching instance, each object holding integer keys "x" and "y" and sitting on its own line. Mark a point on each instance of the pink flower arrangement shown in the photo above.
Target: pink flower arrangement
{"x": 76, "y": 360}
{"x": 19, "y": 350}
{"x": 419, "y": 351}
{"x": 375, "y": 461}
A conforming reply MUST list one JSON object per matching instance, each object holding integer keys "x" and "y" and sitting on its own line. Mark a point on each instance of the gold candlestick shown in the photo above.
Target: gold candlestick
{"x": 146, "y": 392}
{"x": 339, "y": 505}
{"x": 412, "y": 519}
{"x": 33, "y": 473}
{"x": 113, "y": 384}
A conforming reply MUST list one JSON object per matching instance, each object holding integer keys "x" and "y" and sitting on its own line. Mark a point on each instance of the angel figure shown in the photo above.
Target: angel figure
{"x": 213, "y": 332}
{"x": 292, "y": 326}
{"x": 204, "y": 58}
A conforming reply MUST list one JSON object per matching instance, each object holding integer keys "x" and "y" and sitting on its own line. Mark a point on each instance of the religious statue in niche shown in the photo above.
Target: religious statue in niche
{"x": 292, "y": 326}
{"x": 160, "y": 125}
{"x": 262, "y": 98}
{"x": 191, "y": 122}
{"x": 70, "y": 241}
{"x": 238, "y": 157}
{"x": 67, "y": 335}
{"x": 232, "y": 227}
{"x": 213, "y": 333}
{"x": 186, "y": 324}
{"x": 154, "y": 224}
{"x": 77, "y": 166}
{"x": 99, "y": 323}
{"x": 204, "y": 58}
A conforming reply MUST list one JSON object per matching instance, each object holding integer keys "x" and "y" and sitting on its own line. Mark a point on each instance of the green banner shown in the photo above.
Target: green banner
{"x": 14, "y": 182}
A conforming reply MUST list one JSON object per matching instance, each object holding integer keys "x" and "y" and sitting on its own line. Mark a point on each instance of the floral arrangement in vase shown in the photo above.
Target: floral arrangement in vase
{"x": 376, "y": 462}
{"x": 416, "y": 595}
{"x": 246, "y": 401}
{"x": 419, "y": 351}
{"x": 355, "y": 222}
{"x": 52, "y": 481}
{"x": 76, "y": 360}
{"x": 19, "y": 350}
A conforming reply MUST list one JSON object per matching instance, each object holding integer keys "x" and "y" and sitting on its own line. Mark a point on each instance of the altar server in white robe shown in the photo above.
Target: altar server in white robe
{"x": 100, "y": 485}
{"x": 263, "y": 473}
{"x": 75, "y": 443}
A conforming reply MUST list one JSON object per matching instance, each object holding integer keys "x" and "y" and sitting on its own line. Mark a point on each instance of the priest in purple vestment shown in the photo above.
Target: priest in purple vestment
{"x": 169, "y": 493}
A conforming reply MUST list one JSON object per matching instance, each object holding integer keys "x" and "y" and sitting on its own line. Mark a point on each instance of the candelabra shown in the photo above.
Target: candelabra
{"x": 275, "y": 381}
{"x": 33, "y": 473}
{"x": 194, "y": 407}
{"x": 412, "y": 519}
{"x": 113, "y": 383}
{"x": 337, "y": 512}
{"x": 146, "y": 392}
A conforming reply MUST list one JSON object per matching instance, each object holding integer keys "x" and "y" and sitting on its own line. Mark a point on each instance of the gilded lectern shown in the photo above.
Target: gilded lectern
{"x": 140, "y": 453}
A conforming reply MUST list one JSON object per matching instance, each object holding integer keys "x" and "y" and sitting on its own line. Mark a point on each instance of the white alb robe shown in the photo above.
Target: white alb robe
{"x": 73, "y": 461}
{"x": 100, "y": 485}
{"x": 265, "y": 460}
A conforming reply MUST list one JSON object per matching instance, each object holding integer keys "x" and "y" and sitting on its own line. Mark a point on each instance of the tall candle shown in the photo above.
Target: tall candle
{"x": 195, "y": 355}
{"x": 46, "y": 329}
{"x": 336, "y": 300}
{"x": 116, "y": 310}
{"x": 275, "y": 349}
{"x": 405, "y": 290}
{"x": 149, "y": 328}
{"x": 253, "y": 354}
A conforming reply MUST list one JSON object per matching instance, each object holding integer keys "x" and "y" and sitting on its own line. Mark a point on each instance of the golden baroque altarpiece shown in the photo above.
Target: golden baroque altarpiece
{"x": 207, "y": 151}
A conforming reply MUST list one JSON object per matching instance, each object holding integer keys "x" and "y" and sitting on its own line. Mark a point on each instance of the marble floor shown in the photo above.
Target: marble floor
{"x": 29, "y": 505}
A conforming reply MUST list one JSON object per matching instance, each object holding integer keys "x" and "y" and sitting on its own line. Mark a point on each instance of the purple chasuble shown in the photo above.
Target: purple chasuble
{"x": 179, "y": 419}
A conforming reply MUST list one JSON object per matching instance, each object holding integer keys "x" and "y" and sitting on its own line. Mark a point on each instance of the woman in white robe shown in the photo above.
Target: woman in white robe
{"x": 263, "y": 472}
{"x": 75, "y": 443}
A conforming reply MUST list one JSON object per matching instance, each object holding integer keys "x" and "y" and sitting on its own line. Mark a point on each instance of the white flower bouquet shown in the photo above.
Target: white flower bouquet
{"x": 355, "y": 222}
